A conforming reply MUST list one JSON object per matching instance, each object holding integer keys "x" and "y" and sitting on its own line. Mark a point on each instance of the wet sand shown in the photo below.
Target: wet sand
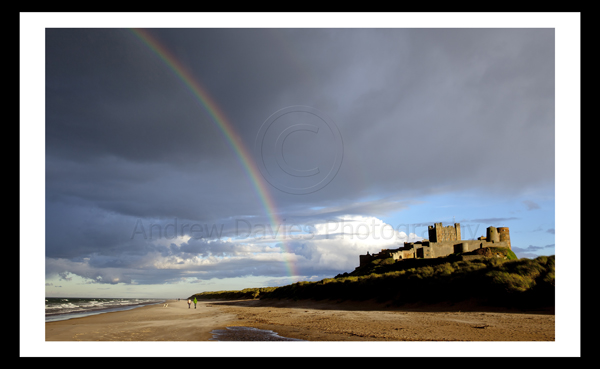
{"x": 307, "y": 321}
{"x": 346, "y": 321}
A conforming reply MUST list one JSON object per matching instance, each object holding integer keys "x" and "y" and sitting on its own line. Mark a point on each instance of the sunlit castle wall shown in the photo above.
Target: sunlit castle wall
{"x": 438, "y": 233}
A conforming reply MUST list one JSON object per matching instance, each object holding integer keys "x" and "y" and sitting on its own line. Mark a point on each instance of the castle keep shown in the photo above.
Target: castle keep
{"x": 442, "y": 241}
{"x": 437, "y": 233}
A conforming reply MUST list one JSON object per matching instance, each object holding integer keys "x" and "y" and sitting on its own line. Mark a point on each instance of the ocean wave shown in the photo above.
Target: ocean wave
{"x": 65, "y": 308}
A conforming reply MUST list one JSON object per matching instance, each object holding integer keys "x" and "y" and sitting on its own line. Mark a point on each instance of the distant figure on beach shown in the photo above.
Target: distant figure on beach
{"x": 195, "y": 301}
{"x": 189, "y": 303}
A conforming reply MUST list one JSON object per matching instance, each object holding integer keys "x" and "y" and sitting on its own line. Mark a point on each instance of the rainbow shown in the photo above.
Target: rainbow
{"x": 221, "y": 122}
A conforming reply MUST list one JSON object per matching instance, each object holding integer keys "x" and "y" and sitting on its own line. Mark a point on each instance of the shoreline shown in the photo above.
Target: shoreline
{"x": 145, "y": 323}
{"x": 307, "y": 321}
{"x": 82, "y": 314}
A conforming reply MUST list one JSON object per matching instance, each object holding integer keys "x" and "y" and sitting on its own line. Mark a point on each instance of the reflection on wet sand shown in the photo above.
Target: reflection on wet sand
{"x": 247, "y": 334}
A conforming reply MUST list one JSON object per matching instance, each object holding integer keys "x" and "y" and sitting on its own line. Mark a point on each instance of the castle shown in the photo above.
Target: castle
{"x": 442, "y": 241}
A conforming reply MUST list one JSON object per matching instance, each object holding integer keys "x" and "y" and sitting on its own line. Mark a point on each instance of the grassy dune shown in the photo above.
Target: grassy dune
{"x": 494, "y": 280}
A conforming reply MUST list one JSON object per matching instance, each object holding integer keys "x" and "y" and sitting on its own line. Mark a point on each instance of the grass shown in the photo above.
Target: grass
{"x": 510, "y": 282}
{"x": 498, "y": 252}
{"x": 247, "y": 293}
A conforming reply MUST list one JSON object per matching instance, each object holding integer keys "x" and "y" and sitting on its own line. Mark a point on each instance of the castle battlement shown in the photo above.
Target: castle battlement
{"x": 442, "y": 241}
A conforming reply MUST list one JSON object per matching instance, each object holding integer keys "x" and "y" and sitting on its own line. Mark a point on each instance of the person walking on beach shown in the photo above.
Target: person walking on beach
{"x": 195, "y": 301}
{"x": 189, "y": 303}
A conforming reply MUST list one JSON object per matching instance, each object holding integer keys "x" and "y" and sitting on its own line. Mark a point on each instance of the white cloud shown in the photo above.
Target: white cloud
{"x": 336, "y": 245}
{"x": 324, "y": 248}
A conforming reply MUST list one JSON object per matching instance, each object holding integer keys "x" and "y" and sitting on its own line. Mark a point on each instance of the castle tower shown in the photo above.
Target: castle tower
{"x": 492, "y": 234}
{"x": 504, "y": 235}
{"x": 439, "y": 233}
{"x": 457, "y": 228}
{"x": 432, "y": 233}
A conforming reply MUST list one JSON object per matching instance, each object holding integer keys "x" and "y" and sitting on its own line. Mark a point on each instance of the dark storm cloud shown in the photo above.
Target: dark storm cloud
{"x": 107, "y": 96}
{"x": 420, "y": 112}
{"x": 460, "y": 109}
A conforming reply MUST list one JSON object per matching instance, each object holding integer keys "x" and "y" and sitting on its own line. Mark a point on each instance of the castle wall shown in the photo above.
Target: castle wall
{"x": 365, "y": 259}
{"x": 440, "y": 249}
{"x": 424, "y": 252}
{"x": 395, "y": 254}
{"x": 408, "y": 254}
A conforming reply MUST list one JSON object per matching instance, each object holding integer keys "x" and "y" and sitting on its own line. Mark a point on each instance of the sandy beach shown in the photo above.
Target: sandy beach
{"x": 308, "y": 321}
{"x": 176, "y": 322}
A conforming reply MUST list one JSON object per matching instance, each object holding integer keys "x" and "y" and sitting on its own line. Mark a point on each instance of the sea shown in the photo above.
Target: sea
{"x": 63, "y": 308}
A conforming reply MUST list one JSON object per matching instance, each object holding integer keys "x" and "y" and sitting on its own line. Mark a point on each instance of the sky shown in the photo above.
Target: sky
{"x": 184, "y": 160}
